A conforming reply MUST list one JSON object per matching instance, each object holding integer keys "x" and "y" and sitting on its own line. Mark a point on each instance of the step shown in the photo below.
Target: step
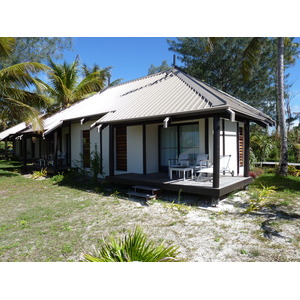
{"x": 141, "y": 195}
{"x": 146, "y": 188}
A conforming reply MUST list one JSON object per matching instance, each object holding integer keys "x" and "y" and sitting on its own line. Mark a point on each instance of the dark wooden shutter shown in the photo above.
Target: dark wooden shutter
{"x": 241, "y": 146}
{"x": 121, "y": 148}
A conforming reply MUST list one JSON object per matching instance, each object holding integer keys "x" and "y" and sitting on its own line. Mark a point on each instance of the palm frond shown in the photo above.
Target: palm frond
{"x": 6, "y": 46}
{"x": 20, "y": 74}
{"x": 133, "y": 247}
{"x": 251, "y": 56}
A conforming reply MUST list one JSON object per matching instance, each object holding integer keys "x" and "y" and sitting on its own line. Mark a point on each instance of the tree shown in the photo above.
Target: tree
{"x": 66, "y": 86}
{"x": 221, "y": 67}
{"x": 17, "y": 101}
{"x": 163, "y": 67}
{"x": 36, "y": 49}
{"x": 283, "y": 167}
{"x": 261, "y": 70}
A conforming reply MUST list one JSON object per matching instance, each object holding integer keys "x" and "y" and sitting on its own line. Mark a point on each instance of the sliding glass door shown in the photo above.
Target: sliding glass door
{"x": 177, "y": 139}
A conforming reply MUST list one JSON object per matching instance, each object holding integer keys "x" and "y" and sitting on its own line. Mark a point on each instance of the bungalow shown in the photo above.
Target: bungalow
{"x": 138, "y": 126}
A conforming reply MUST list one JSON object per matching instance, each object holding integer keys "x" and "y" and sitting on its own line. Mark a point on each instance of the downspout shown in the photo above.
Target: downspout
{"x": 166, "y": 121}
{"x": 232, "y": 114}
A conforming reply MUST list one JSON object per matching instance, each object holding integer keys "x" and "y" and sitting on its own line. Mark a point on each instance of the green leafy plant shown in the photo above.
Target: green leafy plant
{"x": 260, "y": 197}
{"x": 96, "y": 163}
{"x": 58, "y": 178}
{"x": 39, "y": 174}
{"x": 133, "y": 247}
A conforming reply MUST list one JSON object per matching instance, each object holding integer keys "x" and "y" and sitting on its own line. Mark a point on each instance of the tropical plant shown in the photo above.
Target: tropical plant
{"x": 133, "y": 247}
{"x": 260, "y": 197}
{"x": 96, "y": 163}
{"x": 17, "y": 101}
{"x": 39, "y": 174}
{"x": 66, "y": 86}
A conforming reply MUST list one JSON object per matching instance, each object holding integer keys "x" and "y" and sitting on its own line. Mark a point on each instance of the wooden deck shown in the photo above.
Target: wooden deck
{"x": 161, "y": 180}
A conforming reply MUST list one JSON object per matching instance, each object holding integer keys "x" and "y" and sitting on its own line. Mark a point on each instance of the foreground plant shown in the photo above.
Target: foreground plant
{"x": 133, "y": 247}
{"x": 260, "y": 198}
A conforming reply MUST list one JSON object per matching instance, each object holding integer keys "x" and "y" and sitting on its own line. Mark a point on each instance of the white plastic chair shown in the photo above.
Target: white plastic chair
{"x": 224, "y": 167}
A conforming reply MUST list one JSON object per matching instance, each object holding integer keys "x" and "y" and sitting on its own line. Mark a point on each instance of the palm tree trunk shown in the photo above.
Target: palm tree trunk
{"x": 281, "y": 110}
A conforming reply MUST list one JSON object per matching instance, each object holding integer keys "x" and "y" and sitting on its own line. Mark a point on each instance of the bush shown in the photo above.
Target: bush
{"x": 133, "y": 247}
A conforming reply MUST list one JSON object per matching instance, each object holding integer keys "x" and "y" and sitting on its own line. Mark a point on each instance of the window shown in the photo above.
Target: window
{"x": 86, "y": 147}
{"x": 177, "y": 139}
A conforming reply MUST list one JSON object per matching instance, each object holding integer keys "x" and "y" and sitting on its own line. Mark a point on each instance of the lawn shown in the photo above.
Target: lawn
{"x": 46, "y": 221}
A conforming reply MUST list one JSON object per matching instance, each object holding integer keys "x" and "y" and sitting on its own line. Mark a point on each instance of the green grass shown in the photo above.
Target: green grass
{"x": 42, "y": 220}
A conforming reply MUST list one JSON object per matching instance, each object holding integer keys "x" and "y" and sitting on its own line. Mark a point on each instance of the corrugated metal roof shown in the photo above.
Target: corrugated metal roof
{"x": 13, "y": 130}
{"x": 165, "y": 93}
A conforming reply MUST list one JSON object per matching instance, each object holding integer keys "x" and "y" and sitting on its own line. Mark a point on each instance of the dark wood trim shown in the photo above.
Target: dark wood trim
{"x": 247, "y": 148}
{"x": 111, "y": 151}
{"x": 55, "y": 150}
{"x": 101, "y": 149}
{"x": 206, "y": 135}
{"x": 70, "y": 145}
{"x": 223, "y": 136}
{"x": 24, "y": 149}
{"x": 178, "y": 118}
{"x": 144, "y": 150}
{"x": 40, "y": 147}
{"x": 238, "y": 147}
{"x": 216, "y": 153}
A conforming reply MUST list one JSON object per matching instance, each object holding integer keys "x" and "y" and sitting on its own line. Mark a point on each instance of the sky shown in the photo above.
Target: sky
{"x": 131, "y": 57}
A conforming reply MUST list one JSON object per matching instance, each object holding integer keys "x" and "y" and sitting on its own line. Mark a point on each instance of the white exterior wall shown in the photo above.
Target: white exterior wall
{"x": 152, "y": 151}
{"x": 76, "y": 140}
{"x": 105, "y": 151}
{"x": 135, "y": 149}
{"x": 230, "y": 143}
{"x": 135, "y": 145}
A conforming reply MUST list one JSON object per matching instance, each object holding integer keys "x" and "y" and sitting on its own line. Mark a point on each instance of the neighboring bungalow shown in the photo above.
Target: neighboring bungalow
{"x": 141, "y": 124}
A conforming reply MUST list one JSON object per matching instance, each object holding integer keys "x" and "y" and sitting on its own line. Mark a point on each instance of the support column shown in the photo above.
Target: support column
{"x": 24, "y": 150}
{"x": 55, "y": 151}
{"x": 111, "y": 150}
{"x": 5, "y": 150}
{"x": 247, "y": 149}
{"x": 216, "y": 153}
{"x": 144, "y": 150}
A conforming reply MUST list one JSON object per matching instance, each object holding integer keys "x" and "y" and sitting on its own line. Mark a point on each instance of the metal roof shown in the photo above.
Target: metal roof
{"x": 172, "y": 92}
{"x": 13, "y": 130}
{"x": 175, "y": 92}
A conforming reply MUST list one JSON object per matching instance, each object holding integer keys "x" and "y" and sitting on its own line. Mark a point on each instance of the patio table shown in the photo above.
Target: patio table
{"x": 181, "y": 169}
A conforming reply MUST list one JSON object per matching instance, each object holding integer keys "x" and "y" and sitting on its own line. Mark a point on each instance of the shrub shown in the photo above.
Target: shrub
{"x": 260, "y": 198}
{"x": 133, "y": 247}
{"x": 39, "y": 174}
{"x": 58, "y": 178}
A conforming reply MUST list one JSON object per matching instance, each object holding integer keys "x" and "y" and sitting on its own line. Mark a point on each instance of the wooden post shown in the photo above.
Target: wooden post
{"x": 247, "y": 149}
{"x": 144, "y": 150}
{"x": 216, "y": 153}
{"x": 206, "y": 136}
{"x": 24, "y": 150}
{"x": 111, "y": 151}
{"x": 55, "y": 152}
{"x": 5, "y": 150}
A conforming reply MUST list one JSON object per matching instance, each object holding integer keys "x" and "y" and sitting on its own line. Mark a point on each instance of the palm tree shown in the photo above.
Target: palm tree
{"x": 251, "y": 56}
{"x": 17, "y": 101}
{"x": 66, "y": 86}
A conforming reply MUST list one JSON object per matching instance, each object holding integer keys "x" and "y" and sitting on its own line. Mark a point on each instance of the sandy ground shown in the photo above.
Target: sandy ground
{"x": 224, "y": 233}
